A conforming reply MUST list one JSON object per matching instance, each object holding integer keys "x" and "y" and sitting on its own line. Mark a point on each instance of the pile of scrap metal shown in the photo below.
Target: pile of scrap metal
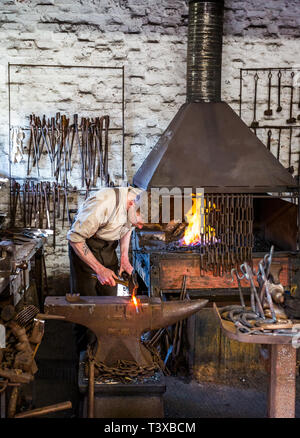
{"x": 266, "y": 314}
{"x": 21, "y": 334}
{"x": 58, "y": 138}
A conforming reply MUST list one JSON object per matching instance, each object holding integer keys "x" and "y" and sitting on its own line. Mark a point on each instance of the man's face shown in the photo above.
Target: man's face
{"x": 135, "y": 217}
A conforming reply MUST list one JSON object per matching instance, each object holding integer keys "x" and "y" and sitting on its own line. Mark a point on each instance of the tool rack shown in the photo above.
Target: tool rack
{"x": 47, "y": 69}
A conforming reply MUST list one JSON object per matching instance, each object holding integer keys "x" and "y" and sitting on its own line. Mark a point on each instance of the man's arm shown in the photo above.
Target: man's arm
{"x": 104, "y": 275}
{"x": 124, "y": 248}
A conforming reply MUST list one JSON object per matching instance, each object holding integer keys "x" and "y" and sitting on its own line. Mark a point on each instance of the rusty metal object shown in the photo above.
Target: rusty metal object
{"x": 91, "y": 395}
{"x": 45, "y": 410}
{"x": 37, "y": 332}
{"x": 116, "y": 324}
{"x": 24, "y": 358}
{"x": 15, "y": 376}
{"x": 282, "y": 367}
{"x": 43, "y": 316}
{"x": 12, "y": 404}
{"x": 264, "y": 312}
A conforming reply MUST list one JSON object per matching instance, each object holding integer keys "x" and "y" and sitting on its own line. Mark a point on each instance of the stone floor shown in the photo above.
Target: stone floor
{"x": 56, "y": 381}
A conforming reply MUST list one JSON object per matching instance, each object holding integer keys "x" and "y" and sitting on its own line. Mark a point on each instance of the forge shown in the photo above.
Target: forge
{"x": 249, "y": 198}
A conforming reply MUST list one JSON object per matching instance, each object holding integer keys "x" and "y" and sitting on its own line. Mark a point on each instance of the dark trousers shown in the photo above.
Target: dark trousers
{"x": 82, "y": 282}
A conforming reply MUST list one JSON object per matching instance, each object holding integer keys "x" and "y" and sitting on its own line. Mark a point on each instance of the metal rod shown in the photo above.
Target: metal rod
{"x": 241, "y": 91}
{"x": 267, "y": 69}
{"x": 45, "y": 410}
{"x": 9, "y": 139}
{"x": 45, "y": 316}
{"x": 66, "y": 66}
{"x": 91, "y": 389}
{"x": 123, "y": 124}
{"x": 277, "y": 127}
{"x": 12, "y": 404}
{"x": 3, "y": 403}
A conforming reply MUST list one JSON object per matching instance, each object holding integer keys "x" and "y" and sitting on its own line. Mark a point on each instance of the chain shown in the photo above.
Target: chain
{"x": 227, "y": 236}
{"x": 125, "y": 371}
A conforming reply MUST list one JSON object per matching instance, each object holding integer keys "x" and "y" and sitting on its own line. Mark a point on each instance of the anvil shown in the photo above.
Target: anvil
{"x": 117, "y": 325}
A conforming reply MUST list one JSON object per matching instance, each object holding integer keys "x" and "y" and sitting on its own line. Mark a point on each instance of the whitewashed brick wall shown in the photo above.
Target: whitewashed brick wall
{"x": 149, "y": 39}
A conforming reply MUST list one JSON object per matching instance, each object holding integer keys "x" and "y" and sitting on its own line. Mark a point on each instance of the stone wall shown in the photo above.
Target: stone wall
{"x": 148, "y": 38}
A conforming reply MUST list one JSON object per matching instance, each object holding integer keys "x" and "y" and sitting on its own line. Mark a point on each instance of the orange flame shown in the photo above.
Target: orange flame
{"x": 196, "y": 222}
{"x": 135, "y": 302}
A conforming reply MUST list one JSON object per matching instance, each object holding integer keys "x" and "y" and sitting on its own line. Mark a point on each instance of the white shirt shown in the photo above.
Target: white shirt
{"x": 98, "y": 217}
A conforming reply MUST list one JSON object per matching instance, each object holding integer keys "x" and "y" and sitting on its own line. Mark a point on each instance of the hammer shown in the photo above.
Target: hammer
{"x": 129, "y": 281}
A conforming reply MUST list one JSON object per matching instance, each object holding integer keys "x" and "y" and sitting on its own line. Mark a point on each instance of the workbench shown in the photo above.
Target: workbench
{"x": 281, "y": 366}
{"x": 32, "y": 253}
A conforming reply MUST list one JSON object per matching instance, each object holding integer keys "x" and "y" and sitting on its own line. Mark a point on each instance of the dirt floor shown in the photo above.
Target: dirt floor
{"x": 56, "y": 381}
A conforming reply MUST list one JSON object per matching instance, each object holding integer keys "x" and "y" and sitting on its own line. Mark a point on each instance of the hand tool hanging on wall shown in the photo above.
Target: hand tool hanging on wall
{"x": 298, "y": 117}
{"x": 279, "y": 107}
{"x": 269, "y": 139}
{"x": 37, "y": 204}
{"x": 59, "y": 139}
{"x": 291, "y": 119}
{"x": 255, "y": 123}
{"x": 290, "y": 168}
{"x": 269, "y": 112}
{"x": 278, "y": 143}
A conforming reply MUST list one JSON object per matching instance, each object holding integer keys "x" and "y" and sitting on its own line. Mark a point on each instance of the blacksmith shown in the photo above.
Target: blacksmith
{"x": 107, "y": 217}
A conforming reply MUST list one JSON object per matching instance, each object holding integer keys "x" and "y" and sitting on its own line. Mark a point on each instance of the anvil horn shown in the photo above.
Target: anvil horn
{"x": 174, "y": 311}
{"x": 118, "y": 326}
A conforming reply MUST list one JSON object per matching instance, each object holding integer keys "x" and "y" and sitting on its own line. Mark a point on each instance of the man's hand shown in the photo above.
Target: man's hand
{"x": 106, "y": 276}
{"x": 125, "y": 265}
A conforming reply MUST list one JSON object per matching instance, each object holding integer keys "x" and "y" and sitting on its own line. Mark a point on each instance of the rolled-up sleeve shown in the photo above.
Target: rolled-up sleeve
{"x": 92, "y": 215}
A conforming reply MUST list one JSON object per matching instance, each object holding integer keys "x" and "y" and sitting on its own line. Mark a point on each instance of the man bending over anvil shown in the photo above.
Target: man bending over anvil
{"x": 106, "y": 217}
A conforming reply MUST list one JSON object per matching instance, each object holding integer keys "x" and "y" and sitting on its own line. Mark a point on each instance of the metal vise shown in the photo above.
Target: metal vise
{"x": 7, "y": 258}
{"x": 8, "y": 261}
{"x": 117, "y": 325}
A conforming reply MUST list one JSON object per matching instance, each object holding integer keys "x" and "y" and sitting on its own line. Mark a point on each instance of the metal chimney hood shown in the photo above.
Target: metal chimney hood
{"x": 206, "y": 144}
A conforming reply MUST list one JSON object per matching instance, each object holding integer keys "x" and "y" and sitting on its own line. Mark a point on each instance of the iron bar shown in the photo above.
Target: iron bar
{"x": 123, "y": 124}
{"x": 45, "y": 410}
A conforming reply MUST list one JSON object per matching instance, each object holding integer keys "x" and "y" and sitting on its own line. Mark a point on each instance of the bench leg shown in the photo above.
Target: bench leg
{"x": 282, "y": 383}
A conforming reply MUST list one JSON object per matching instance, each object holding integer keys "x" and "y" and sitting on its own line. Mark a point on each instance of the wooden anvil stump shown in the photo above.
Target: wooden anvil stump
{"x": 117, "y": 324}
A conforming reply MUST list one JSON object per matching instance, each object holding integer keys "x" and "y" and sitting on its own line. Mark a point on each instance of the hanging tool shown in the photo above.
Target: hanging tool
{"x": 269, "y": 139}
{"x": 279, "y": 107}
{"x": 278, "y": 144}
{"x": 255, "y": 123}
{"x": 269, "y": 112}
{"x": 292, "y": 119}
{"x": 298, "y": 117}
